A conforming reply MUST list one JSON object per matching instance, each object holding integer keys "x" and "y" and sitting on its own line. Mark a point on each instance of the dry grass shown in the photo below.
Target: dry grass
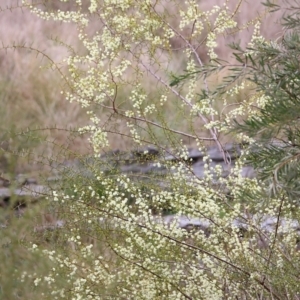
{"x": 30, "y": 97}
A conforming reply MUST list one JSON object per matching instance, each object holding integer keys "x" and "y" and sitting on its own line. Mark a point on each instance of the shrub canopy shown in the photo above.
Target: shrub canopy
{"x": 138, "y": 85}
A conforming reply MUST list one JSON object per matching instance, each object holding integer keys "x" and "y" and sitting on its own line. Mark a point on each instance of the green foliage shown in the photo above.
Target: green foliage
{"x": 274, "y": 69}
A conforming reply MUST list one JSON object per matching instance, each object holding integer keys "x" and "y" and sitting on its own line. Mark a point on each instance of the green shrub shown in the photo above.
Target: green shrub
{"x": 115, "y": 243}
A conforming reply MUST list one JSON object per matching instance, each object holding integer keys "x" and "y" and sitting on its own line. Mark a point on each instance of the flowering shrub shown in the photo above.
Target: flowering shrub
{"x": 115, "y": 243}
